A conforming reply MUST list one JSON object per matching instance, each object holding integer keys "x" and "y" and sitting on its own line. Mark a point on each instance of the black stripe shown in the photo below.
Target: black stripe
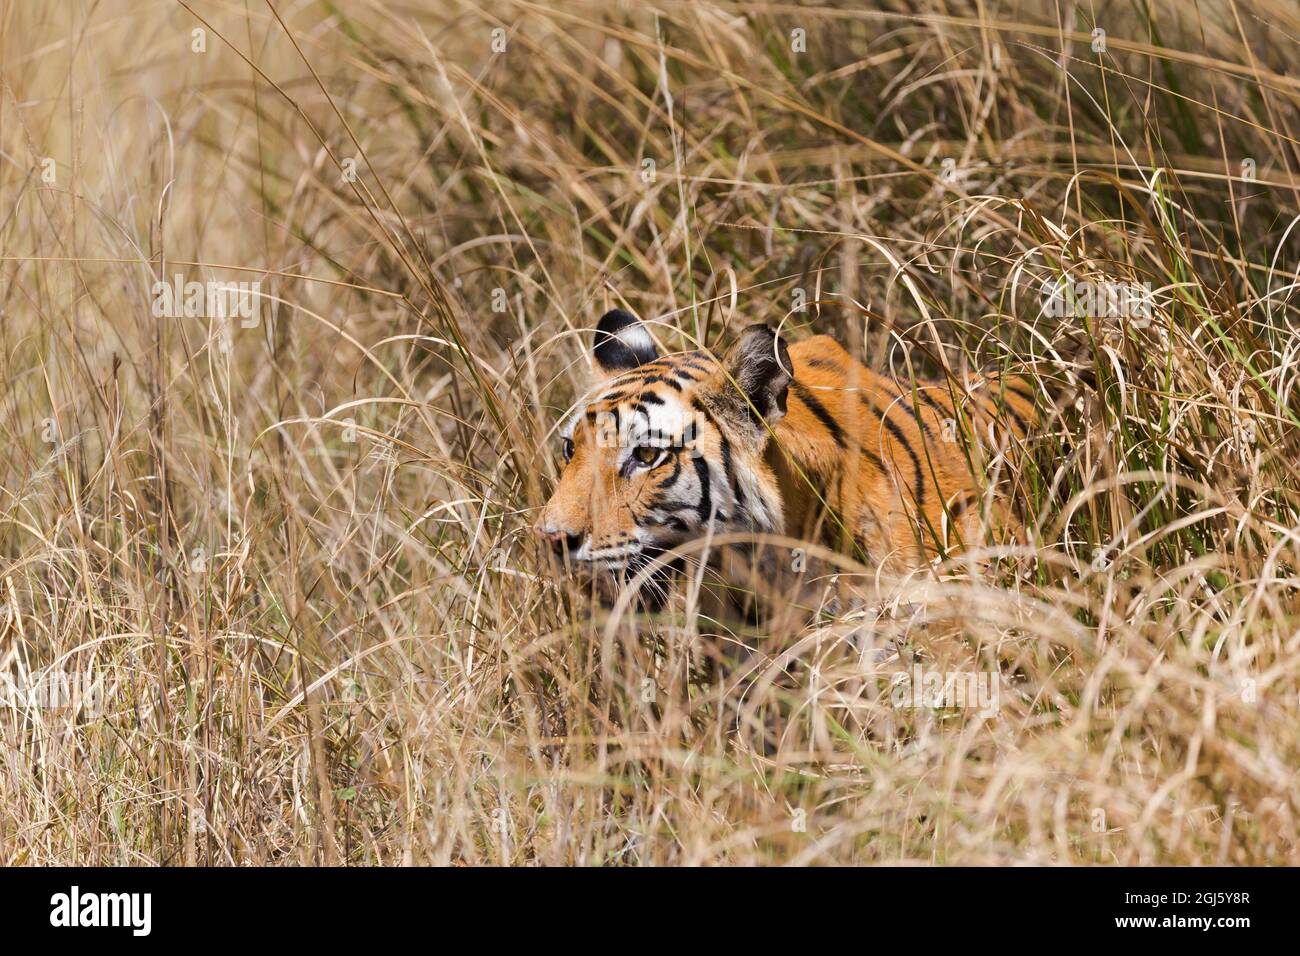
{"x": 958, "y": 509}
{"x": 672, "y": 479}
{"x": 943, "y": 410}
{"x": 978, "y": 397}
{"x": 704, "y": 508}
{"x": 824, "y": 363}
{"x": 694, "y": 365}
{"x": 670, "y": 382}
{"x": 831, "y": 424}
{"x": 622, "y": 398}
{"x": 898, "y": 434}
{"x": 1023, "y": 391}
{"x": 819, "y": 410}
{"x": 875, "y": 459}
{"x": 675, "y": 362}
{"x": 728, "y": 465}
{"x": 1024, "y": 426}
{"x": 916, "y": 415}
{"x": 738, "y": 496}
{"x": 1020, "y": 391}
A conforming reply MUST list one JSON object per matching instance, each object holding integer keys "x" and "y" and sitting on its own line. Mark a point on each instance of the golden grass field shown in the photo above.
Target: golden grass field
{"x": 295, "y": 552}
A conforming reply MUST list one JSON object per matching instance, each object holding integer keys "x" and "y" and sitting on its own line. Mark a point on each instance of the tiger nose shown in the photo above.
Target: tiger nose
{"x": 561, "y": 541}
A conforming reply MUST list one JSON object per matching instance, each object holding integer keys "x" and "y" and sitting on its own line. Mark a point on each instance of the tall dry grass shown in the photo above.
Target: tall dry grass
{"x": 297, "y": 553}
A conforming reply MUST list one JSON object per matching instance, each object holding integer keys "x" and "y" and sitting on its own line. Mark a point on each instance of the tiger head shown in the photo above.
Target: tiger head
{"x": 665, "y": 449}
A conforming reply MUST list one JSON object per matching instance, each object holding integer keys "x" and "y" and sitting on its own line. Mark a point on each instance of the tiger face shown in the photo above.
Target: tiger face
{"x": 666, "y": 449}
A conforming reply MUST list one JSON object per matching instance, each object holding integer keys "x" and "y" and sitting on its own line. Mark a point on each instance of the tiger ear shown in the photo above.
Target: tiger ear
{"x": 759, "y": 366}
{"x": 622, "y": 342}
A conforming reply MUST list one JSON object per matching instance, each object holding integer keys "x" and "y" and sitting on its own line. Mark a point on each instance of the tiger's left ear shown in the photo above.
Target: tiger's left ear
{"x": 755, "y": 381}
{"x": 622, "y": 343}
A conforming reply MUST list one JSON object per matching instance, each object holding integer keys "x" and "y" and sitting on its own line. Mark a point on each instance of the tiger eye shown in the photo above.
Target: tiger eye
{"x": 566, "y": 450}
{"x": 646, "y": 454}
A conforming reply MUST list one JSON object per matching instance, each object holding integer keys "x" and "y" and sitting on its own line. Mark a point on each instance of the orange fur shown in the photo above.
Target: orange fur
{"x": 889, "y": 463}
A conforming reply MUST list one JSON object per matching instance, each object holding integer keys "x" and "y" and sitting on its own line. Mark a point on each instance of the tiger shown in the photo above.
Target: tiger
{"x": 800, "y": 440}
